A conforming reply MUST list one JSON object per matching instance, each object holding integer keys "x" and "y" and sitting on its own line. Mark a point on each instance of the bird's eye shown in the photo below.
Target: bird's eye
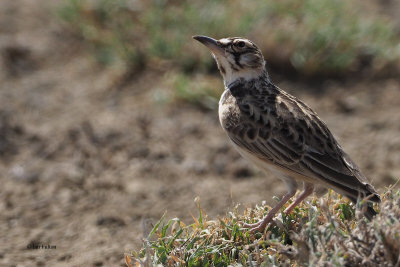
{"x": 240, "y": 44}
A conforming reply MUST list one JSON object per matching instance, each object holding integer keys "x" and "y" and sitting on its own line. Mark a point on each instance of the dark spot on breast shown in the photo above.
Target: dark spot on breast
{"x": 237, "y": 90}
{"x": 222, "y": 69}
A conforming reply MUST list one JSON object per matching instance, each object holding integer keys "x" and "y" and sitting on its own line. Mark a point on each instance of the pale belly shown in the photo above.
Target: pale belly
{"x": 264, "y": 165}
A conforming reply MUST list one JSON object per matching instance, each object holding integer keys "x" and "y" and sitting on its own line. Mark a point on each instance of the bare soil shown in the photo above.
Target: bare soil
{"x": 85, "y": 165}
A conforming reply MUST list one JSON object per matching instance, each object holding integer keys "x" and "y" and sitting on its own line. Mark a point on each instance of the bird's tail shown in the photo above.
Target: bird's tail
{"x": 367, "y": 208}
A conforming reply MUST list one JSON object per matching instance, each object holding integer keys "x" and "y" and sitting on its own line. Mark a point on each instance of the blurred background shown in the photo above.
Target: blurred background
{"x": 108, "y": 112}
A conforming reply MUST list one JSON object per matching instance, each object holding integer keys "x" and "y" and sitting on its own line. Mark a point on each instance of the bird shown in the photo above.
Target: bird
{"x": 279, "y": 133}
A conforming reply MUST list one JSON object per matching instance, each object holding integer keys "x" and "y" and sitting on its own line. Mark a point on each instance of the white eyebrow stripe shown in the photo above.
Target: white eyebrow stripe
{"x": 224, "y": 41}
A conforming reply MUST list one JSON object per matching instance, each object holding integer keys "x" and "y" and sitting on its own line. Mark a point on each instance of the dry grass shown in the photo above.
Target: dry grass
{"x": 322, "y": 232}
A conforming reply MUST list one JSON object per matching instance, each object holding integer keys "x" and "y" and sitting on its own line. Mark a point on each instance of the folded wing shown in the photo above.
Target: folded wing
{"x": 296, "y": 139}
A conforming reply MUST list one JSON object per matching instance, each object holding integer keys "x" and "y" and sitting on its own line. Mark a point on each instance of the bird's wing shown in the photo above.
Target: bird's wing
{"x": 292, "y": 136}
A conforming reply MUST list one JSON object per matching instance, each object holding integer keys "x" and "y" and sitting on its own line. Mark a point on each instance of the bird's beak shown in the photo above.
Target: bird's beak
{"x": 211, "y": 43}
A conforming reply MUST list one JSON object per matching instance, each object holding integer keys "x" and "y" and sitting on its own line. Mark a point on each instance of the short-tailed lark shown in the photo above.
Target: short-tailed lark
{"x": 279, "y": 133}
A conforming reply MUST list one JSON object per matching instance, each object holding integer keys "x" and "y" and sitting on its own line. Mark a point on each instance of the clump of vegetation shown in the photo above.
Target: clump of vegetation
{"x": 324, "y": 37}
{"x": 198, "y": 90}
{"x": 325, "y": 232}
{"x": 310, "y": 36}
{"x": 158, "y": 31}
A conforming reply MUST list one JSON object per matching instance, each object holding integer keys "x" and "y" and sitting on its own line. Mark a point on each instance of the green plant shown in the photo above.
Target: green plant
{"x": 109, "y": 27}
{"x": 315, "y": 234}
{"x": 333, "y": 36}
{"x": 197, "y": 91}
{"x": 311, "y": 35}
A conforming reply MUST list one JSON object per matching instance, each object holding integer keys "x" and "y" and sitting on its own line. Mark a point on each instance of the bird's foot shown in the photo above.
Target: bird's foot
{"x": 289, "y": 209}
{"x": 250, "y": 225}
{"x": 259, "y": 226}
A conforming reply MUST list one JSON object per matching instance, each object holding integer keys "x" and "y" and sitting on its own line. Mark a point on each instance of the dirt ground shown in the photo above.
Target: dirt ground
{"x": 84, "y": 165}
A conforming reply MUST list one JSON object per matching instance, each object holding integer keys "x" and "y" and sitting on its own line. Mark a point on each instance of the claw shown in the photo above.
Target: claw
{"x": 260, "y": 226}
{"x": 250, "y": 225}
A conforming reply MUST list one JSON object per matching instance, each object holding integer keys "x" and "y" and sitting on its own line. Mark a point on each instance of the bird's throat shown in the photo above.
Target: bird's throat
{"x": 231, "y": 76}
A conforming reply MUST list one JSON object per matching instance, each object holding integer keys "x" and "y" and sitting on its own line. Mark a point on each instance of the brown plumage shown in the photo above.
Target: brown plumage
{"x": 280, "y": 133}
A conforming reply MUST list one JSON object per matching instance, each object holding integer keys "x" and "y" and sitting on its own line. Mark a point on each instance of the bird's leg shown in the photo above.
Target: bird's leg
{"x": 308, "y": 189}
{"x": 260, "y": 226}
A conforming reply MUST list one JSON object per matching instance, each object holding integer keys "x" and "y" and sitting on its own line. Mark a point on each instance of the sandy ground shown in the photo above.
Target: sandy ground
{"x": 84, "y": 164}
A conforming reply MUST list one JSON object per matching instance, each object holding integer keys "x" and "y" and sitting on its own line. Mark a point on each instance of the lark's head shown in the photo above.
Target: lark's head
{"x": 236, "y": 57}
